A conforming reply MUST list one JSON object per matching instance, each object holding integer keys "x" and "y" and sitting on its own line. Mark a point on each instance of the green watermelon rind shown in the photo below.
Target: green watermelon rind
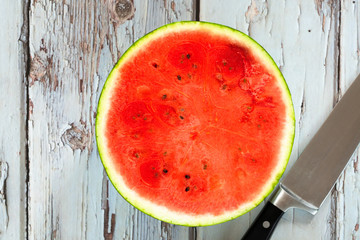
{"x": 163, "y": 213}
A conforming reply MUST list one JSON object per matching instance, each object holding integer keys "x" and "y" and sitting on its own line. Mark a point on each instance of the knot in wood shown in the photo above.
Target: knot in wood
{"x": 37, "y": 67}
{"x": 75, "y": 137}
{"x": 121, "y": 10}
{"x": 124, "y": 8}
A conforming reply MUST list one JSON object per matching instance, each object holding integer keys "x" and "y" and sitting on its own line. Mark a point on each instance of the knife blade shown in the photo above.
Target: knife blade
{"x": 315, "y": 172}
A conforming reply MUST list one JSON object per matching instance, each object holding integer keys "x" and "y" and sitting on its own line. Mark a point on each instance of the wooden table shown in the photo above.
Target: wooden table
{"x": 55, "y": 57}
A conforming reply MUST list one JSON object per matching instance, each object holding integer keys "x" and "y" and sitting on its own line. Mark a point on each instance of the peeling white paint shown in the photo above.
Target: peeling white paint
{"x": 303, "y": 38}
{"x": 4, "y": 219}
{"x": 74, "y": 45}
{"x": 12, "y": 120}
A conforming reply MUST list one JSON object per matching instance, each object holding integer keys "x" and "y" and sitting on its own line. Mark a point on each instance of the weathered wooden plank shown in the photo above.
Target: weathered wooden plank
{"x": 346, "y": 197}
{"x": 302, "y": 37}
{"x": 13, "y": 119}
{"x": 73, "y": 46}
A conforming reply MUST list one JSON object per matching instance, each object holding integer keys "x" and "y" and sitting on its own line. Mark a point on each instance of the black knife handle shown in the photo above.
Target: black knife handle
{"x": 264, "y": 224}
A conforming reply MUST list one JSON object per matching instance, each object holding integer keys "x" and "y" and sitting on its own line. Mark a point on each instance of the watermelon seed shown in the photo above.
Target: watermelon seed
{"x": 259, "y": 126}
{"x": 189, "y": 75}
{"x": 187, "y": 176}
{"x": 165, "y": 170}
{"x": 155, "y": 65}
{"x": 165, "y": 153}
{"x": 164, "y": 97}
{"x": 194, "y": 66}
{"x": 137, "y": 155}
{"x": 231, "y": 68}
{"x": 181, "y": 117}
{"x": 205, "y": 166}
{"x": 187, "y": 189}
{"x": 179, "y": 77}
{"x": 181, "y": 109}
{"x": 239, "y": 149}
{"x": 224, "y": 87}
{"x": 224, "y": 62}
{"x": 188, "y": 56}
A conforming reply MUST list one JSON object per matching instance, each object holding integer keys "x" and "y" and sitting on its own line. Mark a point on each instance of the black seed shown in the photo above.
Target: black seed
{"x": 205, "y": 166}
{"x": 165, "y": 153}
{"x": 179, "y": 77}
{"x": 155, "y": 65}
{"x": 309, "y": 30}
{"x": 224, "y": 87}
{"x": 187, "y": 189}
{"x": 188, "y": 56}
{"x": 137, "y": 155}
{"x": 187, "y": 176}
{"x": 181, "y": 117}
{"x": 165, "y": 170}
{"x": 164, "y": 97}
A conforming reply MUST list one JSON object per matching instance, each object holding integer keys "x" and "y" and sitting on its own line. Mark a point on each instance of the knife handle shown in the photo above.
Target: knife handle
{"x": 264, "y": 224}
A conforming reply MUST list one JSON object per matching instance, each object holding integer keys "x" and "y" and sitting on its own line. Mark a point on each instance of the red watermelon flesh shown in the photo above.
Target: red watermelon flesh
{"x": 195, "y": 123}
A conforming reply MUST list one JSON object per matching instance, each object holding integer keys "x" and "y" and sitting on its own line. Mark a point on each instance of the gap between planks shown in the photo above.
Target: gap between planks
{"x": 25, "y": 39}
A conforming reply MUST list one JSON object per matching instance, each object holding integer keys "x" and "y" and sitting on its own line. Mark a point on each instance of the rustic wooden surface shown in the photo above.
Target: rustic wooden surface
{"x": 55, "y": 57}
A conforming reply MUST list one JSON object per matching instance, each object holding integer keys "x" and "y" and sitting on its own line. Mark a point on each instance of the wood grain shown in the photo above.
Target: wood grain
{"x": 303, "y": 38}
{"x": 346, "y": 196}
{"x": 13, "y": 45}
{"x": 73, "y": 46}
{"x": 55, "y": 58}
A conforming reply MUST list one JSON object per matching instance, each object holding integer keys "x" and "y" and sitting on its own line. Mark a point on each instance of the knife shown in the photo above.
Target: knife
{"x": 315, "y": 172}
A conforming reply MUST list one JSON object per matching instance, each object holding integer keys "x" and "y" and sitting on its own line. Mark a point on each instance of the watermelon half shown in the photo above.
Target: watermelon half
{"x": 195, "y": 124}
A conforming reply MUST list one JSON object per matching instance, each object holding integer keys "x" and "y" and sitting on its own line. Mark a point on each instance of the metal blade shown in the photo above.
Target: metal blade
{"x": 320, "y": 164}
